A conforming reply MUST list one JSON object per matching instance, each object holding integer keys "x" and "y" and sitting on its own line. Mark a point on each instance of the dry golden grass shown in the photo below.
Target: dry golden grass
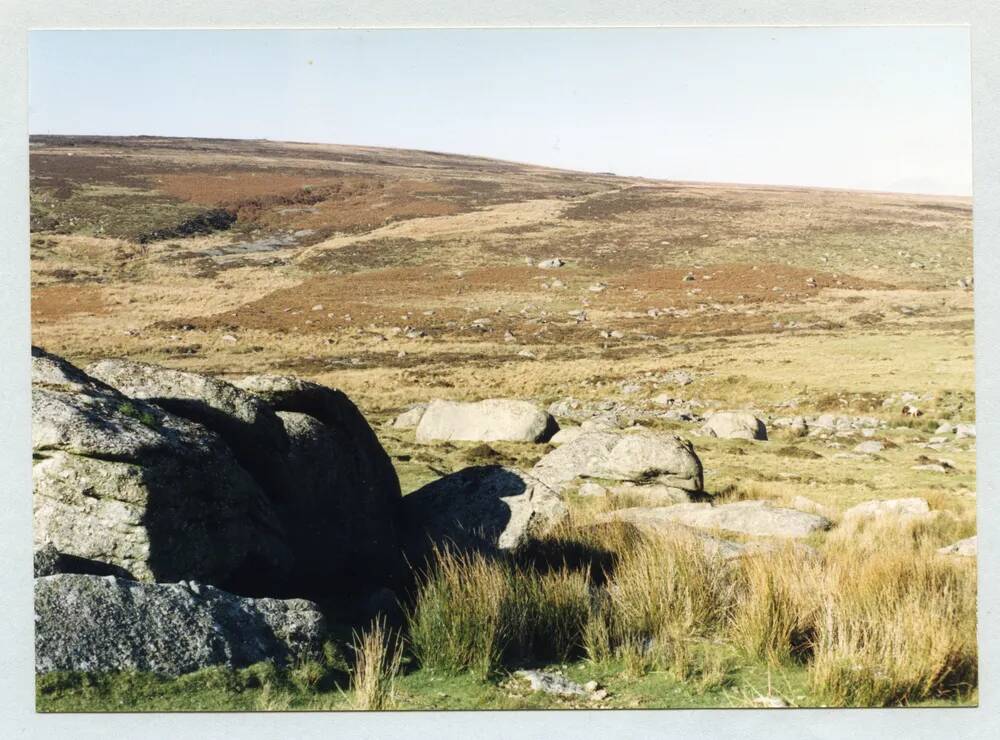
{"x": 475, "y": 613}
{"x": 878, "y": 617}
{"x": 895, "y": 628}
{"x": 378, "y": 653}
{"x": 776, "y": 604}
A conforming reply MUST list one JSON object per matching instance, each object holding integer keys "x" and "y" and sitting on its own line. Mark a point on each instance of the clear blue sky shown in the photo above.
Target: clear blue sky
{"x": 878, "y": 108}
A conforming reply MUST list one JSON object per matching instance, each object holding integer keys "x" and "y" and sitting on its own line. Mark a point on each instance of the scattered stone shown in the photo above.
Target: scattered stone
{"x": 869, "y": 447}
{"x": 962, "y": 431}
{"x": 769, "y": 702}
{"x": 551, "y": 263}
{"x": 552, "y": 683}
{"x": 639, "y": 456}
{"x": 494, "y": 419}
{"x": 800, "y": 453}
{"x": 899, "y": 506}
{"x": 651, "y": 521}
{"x": 734, "y": 425}
{"x": 964, "y": 548}
{"x": 678, "y": 377}
{"x": 933, "y": 468}
{"x": 96, "y": 624}
{"x": 410, "y": 418}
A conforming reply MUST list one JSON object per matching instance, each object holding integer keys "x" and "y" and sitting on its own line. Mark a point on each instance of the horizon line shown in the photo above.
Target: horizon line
{"x": 607, "y": 173}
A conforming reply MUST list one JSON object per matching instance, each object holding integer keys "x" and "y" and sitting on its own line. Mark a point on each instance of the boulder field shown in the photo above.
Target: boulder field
{"x": 182, "y": 520}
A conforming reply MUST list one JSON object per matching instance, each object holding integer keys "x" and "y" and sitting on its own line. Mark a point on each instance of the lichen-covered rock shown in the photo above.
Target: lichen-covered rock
{"x": 492, "y": 420}
{"x": 47, "y": 561}
{"x": 734, "y": 425}
{"x": 247, "y": 424}
{"x": 624, "y": 456}
{"x": 488, "y": 507}
{"x": 95, "y": 624}
{"x": 123, "y": 483}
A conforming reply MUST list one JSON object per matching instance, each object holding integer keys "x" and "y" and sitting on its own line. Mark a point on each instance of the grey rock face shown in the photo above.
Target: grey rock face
{"x": 623, "y": 456}
{"x": 278, "y": 487}
{"x": 488, "y": 507}
{"x": 340, "y": 515}
{"x": 650, "y": 520}
{"x": 655, "y": 494}
{"x": 123, "y": 483}
{"x": 734, "y": 425}
{"x": 365, "y": 462}
{"x": 492, "y": 420}
{"x": 340, "y": 501}
{"x": 246, "y": 423}
{"x": 91, "y": 623}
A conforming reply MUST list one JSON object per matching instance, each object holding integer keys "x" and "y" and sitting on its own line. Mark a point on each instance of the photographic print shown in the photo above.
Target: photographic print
{"x": 502, "y": 369}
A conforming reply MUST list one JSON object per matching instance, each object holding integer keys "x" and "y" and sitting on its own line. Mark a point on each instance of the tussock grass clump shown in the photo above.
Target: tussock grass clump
{"x": 378, "y": 654}
{"x": 475, "y": 613}
{"x": 457, "y": 622}
{"x": 776, "y": 605}
{"x": 549, "y": 613}
{"x": 663, "y": 598}
{"x": 876, "y": 618}
{"x": 895, "y": 628}
{"x": 672, "y": 585}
